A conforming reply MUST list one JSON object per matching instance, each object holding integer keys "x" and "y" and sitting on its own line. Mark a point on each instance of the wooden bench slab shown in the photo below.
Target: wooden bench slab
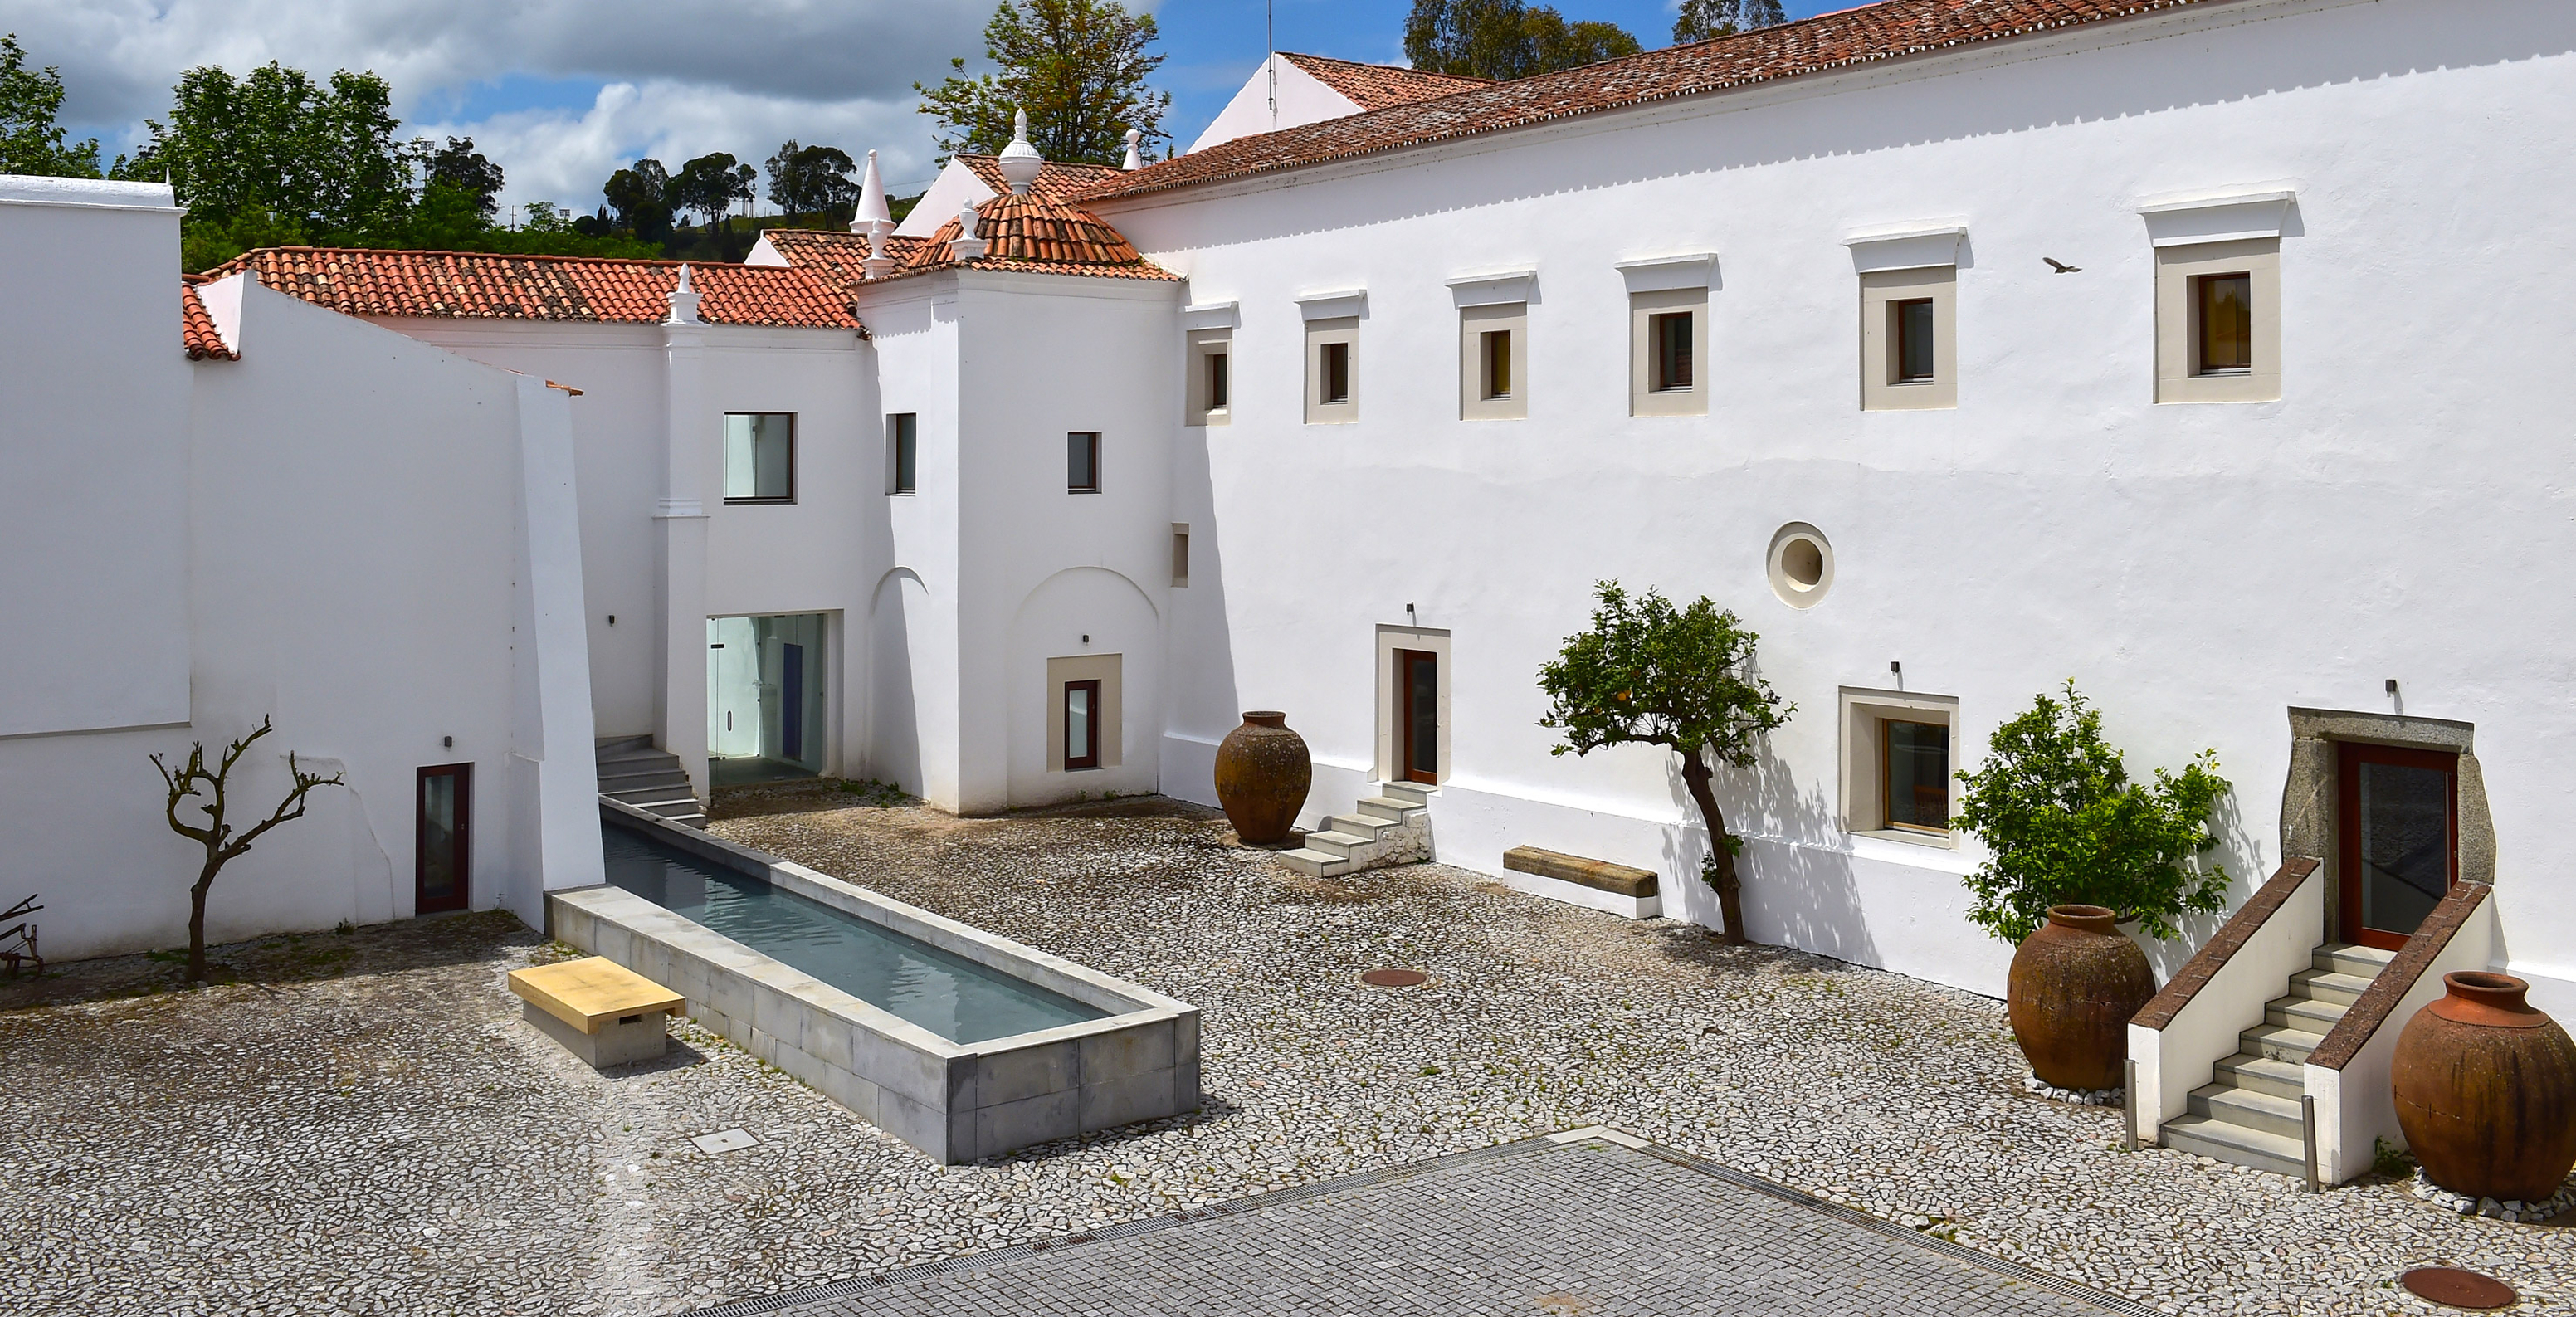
{"x": 1599, "y": 875}
{"x": 594, "y": 993}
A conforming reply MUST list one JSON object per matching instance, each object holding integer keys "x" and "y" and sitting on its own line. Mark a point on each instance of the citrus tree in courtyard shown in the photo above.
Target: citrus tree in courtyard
{"x": 1647, "y": 672}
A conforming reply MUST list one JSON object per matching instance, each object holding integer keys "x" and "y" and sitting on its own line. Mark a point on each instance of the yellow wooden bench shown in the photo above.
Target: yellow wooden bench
{"x": 601, "y": 1011}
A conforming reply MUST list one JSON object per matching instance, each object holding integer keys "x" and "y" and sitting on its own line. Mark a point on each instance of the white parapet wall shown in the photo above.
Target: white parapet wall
{"x": 2222, "y": 993}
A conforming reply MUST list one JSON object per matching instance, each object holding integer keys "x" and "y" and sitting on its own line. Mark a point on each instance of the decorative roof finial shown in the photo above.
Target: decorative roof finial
{"x": 873, "y": 214}
{"x": 1021, "y": 162}
{"x": 876, "y": 265}
{"x": 966, "y": 246}
{"x": 1135, "y": 159}
{"x": 684, "y": 301}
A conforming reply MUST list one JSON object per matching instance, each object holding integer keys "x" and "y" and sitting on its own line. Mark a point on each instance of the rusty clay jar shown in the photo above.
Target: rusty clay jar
{"x": 2486, "y": 1091}
{"x": 2073, "y": 987}
{"x": 1262, "y": 773}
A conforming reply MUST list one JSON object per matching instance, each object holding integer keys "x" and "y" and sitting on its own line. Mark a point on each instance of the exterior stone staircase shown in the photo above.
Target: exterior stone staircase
{"x": 1391, "y": 827}
{"x": 2249, "y": 1115}
{"x": 631, "y": 770}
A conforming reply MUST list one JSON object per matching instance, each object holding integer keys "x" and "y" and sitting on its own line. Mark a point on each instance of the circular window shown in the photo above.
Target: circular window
{"x": 1801, "y": 564}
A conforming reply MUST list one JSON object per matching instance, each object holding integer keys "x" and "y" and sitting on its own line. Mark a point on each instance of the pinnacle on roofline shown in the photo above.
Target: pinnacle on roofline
{"x": 1020, "y": 162}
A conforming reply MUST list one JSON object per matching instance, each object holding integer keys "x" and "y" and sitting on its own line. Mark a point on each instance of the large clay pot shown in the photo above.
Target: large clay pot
{"x": 2073, "y": 987}
{"x": 1262, "y": 773}
{"x": 2486, "y": 1091}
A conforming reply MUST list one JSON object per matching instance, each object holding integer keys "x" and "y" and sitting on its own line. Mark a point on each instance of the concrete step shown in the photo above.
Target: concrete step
{"x": 1390, "y": 809}
{"x": 2317, "y": 1017}
{"x": 1314, "y": 863}
{"x": 2362, "y": 962}
{"x": 2276, "y": 1042}
{"x": 620, "y": 776}
{"x": 2259, "y": 1074}
{"x": 1418, "y": 793}
{"x": 1338, "y": 845}
{"x": 1359, "y": 825}
{"x": 648, "y": 757}
{"x": 609, "y": 744}
{"x": 2328, "y": 985}
{"x": 2205, "y": 1136}
{"x": 2268, "y": 1112}
{"x": 646, "y": 793}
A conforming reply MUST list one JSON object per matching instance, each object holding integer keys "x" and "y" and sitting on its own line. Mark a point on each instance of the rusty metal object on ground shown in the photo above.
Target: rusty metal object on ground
{"x": 1262, "y": 775}
{"x": 2459, "y": 1289}
{"x": 2074, "y": 984}
{"x": 2486, "y": 1091}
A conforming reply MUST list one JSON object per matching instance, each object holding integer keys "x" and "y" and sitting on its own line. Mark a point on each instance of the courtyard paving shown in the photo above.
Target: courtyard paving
{"x": 362, "y": 1124}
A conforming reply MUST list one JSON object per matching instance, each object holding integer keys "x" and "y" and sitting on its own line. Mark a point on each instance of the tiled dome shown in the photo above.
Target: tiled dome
{"x": 1027, "y": 229}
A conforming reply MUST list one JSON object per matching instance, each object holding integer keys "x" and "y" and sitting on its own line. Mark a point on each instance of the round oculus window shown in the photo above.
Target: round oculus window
{"x": 1801, "y": 564}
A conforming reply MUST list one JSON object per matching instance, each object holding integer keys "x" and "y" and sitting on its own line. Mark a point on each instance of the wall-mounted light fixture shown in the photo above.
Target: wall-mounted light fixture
{"x": 612, "y": 619}
{"x": 2392, "y": 685}
{"x": 1086, "y": 639}
{"x": 1896, "y": 667}
{"x": 448, "y": 741}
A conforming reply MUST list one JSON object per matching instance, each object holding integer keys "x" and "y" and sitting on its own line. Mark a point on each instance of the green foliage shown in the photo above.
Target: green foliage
{"x": 2066, "y": 826}
{"x": 641, "y": 196}
{"x": 276, "y": 153}
{"x": 710, "y": 186}
{"x": 1646, "y": 672}
{"x": 813, "y": 180}
{"x": 1077, "y": 66}
{"x": 460, "y": 168}
{"x": 30, "y": 141}
{"x": 1505, "y": 39}
{"x": 1701, "y": 20}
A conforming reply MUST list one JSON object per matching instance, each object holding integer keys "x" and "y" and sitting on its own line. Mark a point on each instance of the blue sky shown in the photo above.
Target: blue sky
{"x": 560, "y": 92}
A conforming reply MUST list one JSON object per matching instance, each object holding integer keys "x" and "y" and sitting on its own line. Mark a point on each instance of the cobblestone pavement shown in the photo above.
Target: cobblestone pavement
{"x": 363, "y": 1125}
{"x": 1554, "y": 1226}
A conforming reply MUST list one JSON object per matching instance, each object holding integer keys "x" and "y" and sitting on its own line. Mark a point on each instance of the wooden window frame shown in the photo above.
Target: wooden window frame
{"x": 464, "y": 898}
{"x": 1064, "y": 712}
{"x": 2349, "y": 756}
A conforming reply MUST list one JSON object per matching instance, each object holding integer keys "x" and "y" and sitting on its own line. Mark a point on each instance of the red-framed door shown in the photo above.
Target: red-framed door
{"x": 2400, "y": 850}
{"x": 1417, "y": 687}
{"x": 1081, "y": 724}
{"x": 444, "y": 838}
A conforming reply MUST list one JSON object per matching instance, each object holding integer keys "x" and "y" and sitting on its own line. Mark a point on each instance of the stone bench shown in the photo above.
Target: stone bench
{"x": 601, "y": 1011}
{"x": 1620, "y": 889}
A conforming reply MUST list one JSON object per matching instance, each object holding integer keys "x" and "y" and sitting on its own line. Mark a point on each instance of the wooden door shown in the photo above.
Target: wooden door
{"x": 1417, "y": 686}
{"x": 2400, "y": 850}
{"x": 1081, "y": 724}
{"x": 444, "y": 840}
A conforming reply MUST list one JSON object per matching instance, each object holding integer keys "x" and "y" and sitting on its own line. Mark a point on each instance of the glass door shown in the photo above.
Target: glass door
{"x": 2400, "y": 848}
{"x": 1417, "y": 678}
{"x": 1081, "y": 724}
{"x": 444, "y": 838}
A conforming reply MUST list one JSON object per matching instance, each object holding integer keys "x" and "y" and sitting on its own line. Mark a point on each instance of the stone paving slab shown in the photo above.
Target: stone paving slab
{"x": 1594, "y": 1223}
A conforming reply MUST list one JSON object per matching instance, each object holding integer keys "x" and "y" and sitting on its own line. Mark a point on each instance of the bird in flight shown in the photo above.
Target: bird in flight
{"x": 2061, "y": 267}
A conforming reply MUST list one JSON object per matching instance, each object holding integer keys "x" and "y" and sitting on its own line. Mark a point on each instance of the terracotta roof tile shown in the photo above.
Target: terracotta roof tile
{"x": 834, "y": 254}
{"x": 1377, "y": 86}
{"x": 197, "y": 329}
{"x": 1033, "y": 233}
{"x": 1058, "y": 180}
{"x": 482, "y": 285}
{"x": 1815, "y": 45}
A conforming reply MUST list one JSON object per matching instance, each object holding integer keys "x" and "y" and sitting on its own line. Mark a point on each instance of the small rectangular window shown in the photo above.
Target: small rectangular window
{"x": 903, "y": 452}
{"x": 1180, "y": 556}
{"x": 1218, "y": 397}
{"x": 1333, "y": 382}
{"x": 2222, "y": 314}
{"x": 1671, "y": 334}
{"x": 1494, "y": 352}
{"x": 760, "y": 457}
{"x": 1917, "y": 775}
{"x": 1909, "y": 325}
{"x": 1082, "y": 462}
{"x": 1081, "y": 724}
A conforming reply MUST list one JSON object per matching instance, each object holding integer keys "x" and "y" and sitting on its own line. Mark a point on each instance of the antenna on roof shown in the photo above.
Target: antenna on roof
{"x": 1270, "y": 66}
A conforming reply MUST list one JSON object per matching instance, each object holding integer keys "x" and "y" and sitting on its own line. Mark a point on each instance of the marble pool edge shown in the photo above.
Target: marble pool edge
{"x": 956, "y": 1102}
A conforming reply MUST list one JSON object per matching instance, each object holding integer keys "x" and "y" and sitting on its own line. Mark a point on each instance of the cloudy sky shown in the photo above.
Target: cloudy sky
{"x": 560, "y": 92}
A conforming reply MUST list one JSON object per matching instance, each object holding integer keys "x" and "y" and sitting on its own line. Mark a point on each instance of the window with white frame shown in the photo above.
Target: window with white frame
{"x": 1909, "y": 354}
{"x": 1668, "y": 345}
{"x": 1211, "y": 382}
{"x": 760, "y": 457}
{"x": 1900, "y": 755}
{"x": 1332, "y": 378}
{"x": 1493, "y": 362}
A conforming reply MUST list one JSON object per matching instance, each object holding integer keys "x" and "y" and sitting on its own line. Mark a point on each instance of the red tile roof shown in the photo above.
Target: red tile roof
{"x": 481, "y": 285}
{"x": 1058, "y": 180}
{"x": 834, "y": 254}
{"x": 197, "y": 329}
{"x": 1033, "y": 233}
{"x": 1377, "y": 86}
{"x": 1815, "y": 45}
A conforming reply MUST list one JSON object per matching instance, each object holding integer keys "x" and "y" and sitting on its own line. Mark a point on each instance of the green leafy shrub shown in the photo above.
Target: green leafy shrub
{"x": 2066, "y": 826}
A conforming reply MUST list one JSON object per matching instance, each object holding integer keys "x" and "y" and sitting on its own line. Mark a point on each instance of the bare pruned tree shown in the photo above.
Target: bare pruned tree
{"x": 216, "y": 834}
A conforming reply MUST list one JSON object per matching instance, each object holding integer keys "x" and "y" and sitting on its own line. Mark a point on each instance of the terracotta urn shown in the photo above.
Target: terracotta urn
{"x": 2073, "y": 987}
{"x": 1262, "y": 773}
{"x": 2486, "y": 1091}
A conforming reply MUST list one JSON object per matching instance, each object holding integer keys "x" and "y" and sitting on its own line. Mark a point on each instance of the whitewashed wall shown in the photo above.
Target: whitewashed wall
{"x": 1302, "y": 99}
{"x": 2197, "y": 569}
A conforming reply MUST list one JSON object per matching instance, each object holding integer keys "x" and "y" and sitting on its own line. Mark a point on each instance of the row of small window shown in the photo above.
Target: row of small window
{"x": 760, "y": 457}
{"x": 2217, "y": 341}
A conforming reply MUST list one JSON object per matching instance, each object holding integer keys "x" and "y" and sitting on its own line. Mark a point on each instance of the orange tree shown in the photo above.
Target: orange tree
{"x": 1649, "y": 673}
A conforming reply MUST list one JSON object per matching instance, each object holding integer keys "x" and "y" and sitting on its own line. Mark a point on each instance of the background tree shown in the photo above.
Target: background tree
{"x": 30, "y": 141}
{"x": 710, "y": 185}
{"x": 2064, "y": 825}
{"x": 458, "y": 165}
{"x": 1077, "y": 66}
{"x": 1701, "y": 20}
{"x": 641, "y": 196}
{"x": 812, "y": 180}
{"x": 277, "y": 157}
{"x": 216, "y": 833}
{"x": 1505, "y": 39}
{"x": 1648, "y": 673}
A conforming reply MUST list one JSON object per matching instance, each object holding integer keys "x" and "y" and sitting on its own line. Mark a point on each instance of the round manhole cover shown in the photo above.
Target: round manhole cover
{"x": 1393, "y": 978}
{"x": 2460, "y": 1289}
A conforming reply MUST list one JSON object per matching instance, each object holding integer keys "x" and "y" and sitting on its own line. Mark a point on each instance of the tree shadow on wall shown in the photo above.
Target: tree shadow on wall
{"x": 1798, "y": 885}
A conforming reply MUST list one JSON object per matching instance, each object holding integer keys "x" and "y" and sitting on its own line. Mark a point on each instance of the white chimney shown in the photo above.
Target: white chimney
{"x": 684, "y": 301}
{"x": 1135, "y": 158}
{"x": 1021, "y": 162}
{"x": 877, "y": 264}
{"x": 873, "y": 215}
{"x": 966, "y": 246}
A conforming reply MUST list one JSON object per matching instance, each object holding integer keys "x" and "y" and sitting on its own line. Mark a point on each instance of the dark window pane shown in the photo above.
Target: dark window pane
{"x": 1918, "y": 775}
{"x": 1913, "y": 339}
{"x": 907, "y": 452}
{"x": 1497, "y": 344}
{"x": 1671, "y": 334}
{"x": 1335, "y": 386}
{"x": 2223, "y": 309}
{"x": 1082, "y": 462}
{"x": 1216, "y": 381}
{"x": 760, "y": 450}
{"x": 1422, "y": 706}
{"x": 2405, "y": 835}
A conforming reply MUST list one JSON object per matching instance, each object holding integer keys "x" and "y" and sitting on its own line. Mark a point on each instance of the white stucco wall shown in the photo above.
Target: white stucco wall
{"x": 1303, "y": 99}
{"x": 2198, "y": 569}
{"x": 956, "y": 186}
